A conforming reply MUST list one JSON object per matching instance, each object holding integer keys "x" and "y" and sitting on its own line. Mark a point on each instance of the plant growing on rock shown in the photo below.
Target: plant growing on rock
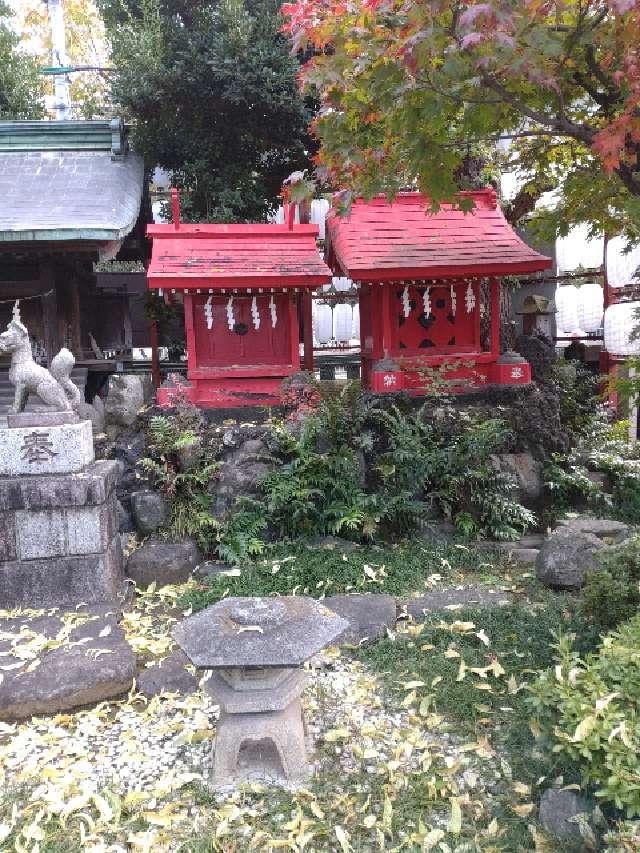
{"x": 612, "y": 594}
{"x": 181, "y": 467}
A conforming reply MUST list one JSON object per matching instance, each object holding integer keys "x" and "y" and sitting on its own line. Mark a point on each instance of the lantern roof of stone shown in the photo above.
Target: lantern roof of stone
{"x": 68, "y": 180}
{"x": 227, "y": 256}
{"x": 258, "y": 632}
{"x": 404, "y": 240}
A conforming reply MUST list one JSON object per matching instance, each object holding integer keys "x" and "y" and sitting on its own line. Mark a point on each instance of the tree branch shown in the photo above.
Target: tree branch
{"x": 564, "y": 126}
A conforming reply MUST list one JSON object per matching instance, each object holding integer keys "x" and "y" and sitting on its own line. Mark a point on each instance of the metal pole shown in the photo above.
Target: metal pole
{"x": 59, "y": 59}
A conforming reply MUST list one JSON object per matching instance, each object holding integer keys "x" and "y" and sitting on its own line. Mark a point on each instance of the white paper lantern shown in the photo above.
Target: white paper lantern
{"x": 620, "y": 320}
{"x": 355, "y": 331}
{"x": 621, "y": 265}
{"x": 566, "y": 309}
{"x": 590, "y": 306}
{"x": 323, "y": 322}
{"x": 342, "y": 284}
{"x": 342, "y": 323}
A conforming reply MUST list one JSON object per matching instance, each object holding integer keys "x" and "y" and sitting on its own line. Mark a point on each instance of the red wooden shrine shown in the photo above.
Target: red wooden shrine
{"x": 420, "y": 276}
{"x": 241, "y": 285}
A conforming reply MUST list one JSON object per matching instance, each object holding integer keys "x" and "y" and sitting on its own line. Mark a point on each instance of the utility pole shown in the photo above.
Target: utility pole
{"x": 59, "y": 59}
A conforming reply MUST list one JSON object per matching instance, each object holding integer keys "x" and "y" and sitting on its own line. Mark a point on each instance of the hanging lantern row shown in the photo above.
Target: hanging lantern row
{"x": 340, "y": 324}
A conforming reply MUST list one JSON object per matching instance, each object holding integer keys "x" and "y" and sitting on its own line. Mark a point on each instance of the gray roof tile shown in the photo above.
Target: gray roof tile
{"x": 68, "y": 195}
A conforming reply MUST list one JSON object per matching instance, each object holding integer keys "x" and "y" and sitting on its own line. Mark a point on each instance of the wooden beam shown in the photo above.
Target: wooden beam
{"x": 494, "y": 316}
{"x": 49, "y": 304}
{"x": 155, "y": 358}
{"x": 307, "y": 329}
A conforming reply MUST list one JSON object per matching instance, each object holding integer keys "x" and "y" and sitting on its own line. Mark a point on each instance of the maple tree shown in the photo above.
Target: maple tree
{"x": 409, "y": 88}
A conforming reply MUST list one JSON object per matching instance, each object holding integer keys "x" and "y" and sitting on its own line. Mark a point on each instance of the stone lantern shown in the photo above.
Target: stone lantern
{"x": 254, "y": 649}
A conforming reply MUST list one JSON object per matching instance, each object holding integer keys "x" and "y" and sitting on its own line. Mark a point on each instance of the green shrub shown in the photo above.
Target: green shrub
{"x": 612, "y": 594}
{"x": 590, "y": 708}
{"x": 185, "y": 487}
{"x": 578, "y": 395}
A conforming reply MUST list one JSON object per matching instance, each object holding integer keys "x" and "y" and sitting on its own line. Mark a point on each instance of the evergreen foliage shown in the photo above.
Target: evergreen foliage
{"x": 212, "y": 92}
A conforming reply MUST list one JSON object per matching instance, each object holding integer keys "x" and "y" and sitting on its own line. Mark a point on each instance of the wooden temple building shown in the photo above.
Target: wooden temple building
{"x": 242, "y": 287}
{"x": 421, "y": 278}
{"x": 72, "y": 194}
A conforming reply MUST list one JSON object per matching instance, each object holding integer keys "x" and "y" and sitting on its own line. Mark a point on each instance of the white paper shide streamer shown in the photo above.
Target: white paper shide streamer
{"x": 272, "y": 310}
{"x": 231, "y": 320}
{"x": 406, "y": 305}
{"x": 255, "y": 314}
{"x": 470, "y": 298}
{"x": 208, "y": 313}
{"x": 426, "y": 301}
{"x": 454, "y": 304}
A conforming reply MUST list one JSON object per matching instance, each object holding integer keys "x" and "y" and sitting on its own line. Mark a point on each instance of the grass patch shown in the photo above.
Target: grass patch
{"x": 297, "y": 569}
{"x": 473, "y": 667}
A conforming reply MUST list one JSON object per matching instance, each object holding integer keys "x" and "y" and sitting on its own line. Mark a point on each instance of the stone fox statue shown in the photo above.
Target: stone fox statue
{"x": 54, "y": 387}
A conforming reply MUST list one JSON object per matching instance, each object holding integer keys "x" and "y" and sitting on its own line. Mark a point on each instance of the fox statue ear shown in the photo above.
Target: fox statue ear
{"x": 19, "y": 327}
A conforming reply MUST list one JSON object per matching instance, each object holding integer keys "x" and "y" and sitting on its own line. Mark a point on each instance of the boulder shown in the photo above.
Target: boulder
{"x": 540, "y": 352}
{"x": 70, "y": 675}
{"x": 163, "y": 562}
{"x": 611, "y": 532}
{"x": 469, "y": 597}
{"x": 566, "y": 556}
{"x": 561, "y": 813}
{"x": 168, "y": 676}
{"x": 525, "y": 471}
{"x": 240, "y": 472}
{"x": 125, "y": 398}
{"x": 148, "y": 510}
{"x": 370, "y": 615}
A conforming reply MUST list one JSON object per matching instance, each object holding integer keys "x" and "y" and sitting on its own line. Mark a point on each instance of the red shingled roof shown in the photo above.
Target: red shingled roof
{"x": 216, "y": 256}
{"x": 379, "y": 241}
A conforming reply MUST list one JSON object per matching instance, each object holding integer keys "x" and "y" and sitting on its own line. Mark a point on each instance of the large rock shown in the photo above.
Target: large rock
{"x": 240, "y": 472}
{"x": 93, "y": 663}
{"x": 370, "y": 615}
{"x": 525, "y": 471}
{"x": 163, "y": 562}
{"x": 169, "y": 676}
{"x": 148, "y": 510}
{"x": 610, "y": 531}
{"x": 572, "y": 550}
{"x": 566, "y": 557}
{"x": 124, "y": 400}
{"x": 562, "y": 811}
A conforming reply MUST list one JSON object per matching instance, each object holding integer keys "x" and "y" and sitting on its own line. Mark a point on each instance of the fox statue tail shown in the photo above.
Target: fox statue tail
{"x": 61, "y": 366}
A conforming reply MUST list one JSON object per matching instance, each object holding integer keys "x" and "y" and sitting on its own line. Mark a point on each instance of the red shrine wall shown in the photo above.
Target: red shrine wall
{"x": 422, "y": 326}
{"x": 240, "y": 347}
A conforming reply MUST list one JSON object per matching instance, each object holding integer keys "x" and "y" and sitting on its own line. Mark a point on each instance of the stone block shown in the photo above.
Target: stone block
{"x": 68, "y": 676}
{"x": 58, "y": 449}
{"x": 90, "y": 529}
{"x": 89, "y": 487}
{"x": 370, "y": 615}
{"x": 163, "y": 562}
{"x": 63, "y": 581}
{"x": 41, "y": 533}
{"x": 466, "y": 598}
{"x": 169, "y": 676}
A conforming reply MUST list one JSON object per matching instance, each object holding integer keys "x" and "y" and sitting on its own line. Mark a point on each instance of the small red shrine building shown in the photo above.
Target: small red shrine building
{"x": 420, "y": 275}
{"x": 241, "y": 285}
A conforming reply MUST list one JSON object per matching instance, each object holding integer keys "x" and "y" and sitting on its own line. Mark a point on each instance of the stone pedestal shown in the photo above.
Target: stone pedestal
{"x": 59, "y": 543}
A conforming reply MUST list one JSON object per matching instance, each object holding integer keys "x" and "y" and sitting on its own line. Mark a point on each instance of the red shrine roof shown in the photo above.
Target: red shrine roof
{"x": 382, "y": 241}
{"x": 222, "y": 256}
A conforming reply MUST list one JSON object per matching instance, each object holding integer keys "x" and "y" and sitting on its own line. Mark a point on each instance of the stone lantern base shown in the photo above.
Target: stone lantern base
{"x": 259, "y": 704}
